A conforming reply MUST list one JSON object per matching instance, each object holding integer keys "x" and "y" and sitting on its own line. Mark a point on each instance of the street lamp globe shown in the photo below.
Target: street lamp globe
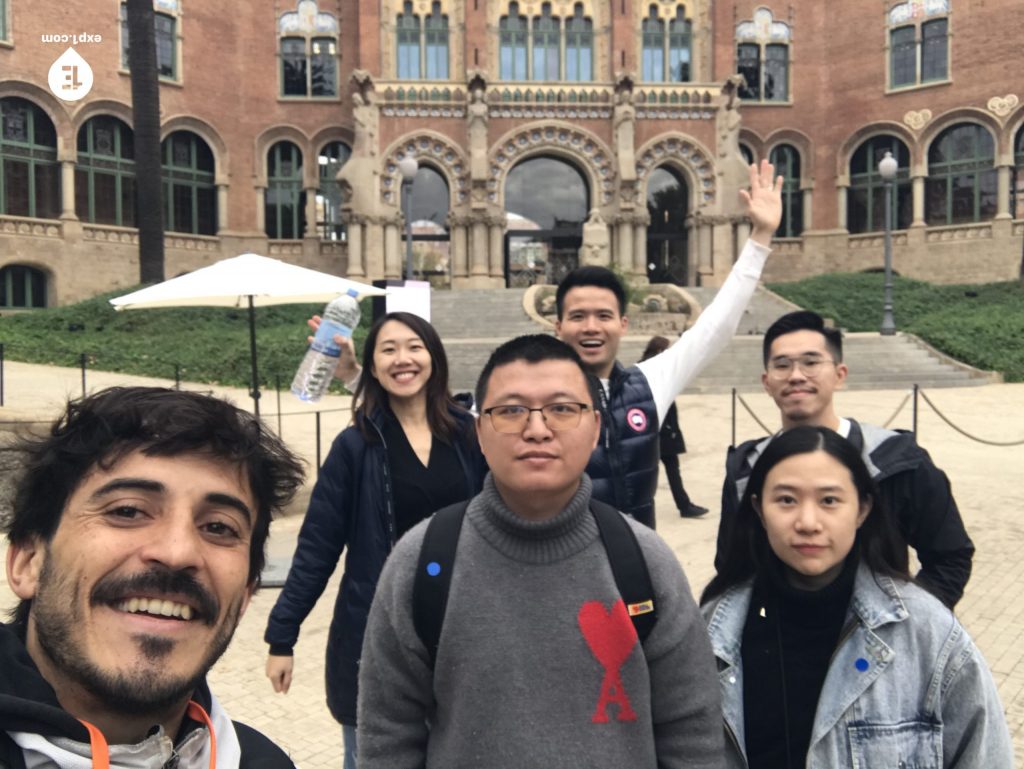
{"x": 408, "y": 166}
{"x": 887, "y": 167}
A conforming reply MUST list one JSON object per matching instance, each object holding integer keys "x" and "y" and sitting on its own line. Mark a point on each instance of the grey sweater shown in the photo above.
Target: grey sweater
{"x": 538, "y": 663}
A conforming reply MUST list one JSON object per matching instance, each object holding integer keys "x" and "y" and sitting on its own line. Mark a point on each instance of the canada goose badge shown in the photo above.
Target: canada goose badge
{"x": 636, "y": 419}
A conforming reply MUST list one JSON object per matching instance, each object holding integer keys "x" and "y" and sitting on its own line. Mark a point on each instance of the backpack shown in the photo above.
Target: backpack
{"x": 437, "y": 562}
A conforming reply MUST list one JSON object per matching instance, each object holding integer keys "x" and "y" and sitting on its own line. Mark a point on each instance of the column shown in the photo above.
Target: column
{"x": 478, "y": 248}
{"x": 311, "y": 230}
{"x": 808, "y": 217}
{"x": 222, "y": 207}
{"x": 67, "y": 189}
{"x": 497, "y": 250}
{"x": 354, "y": 246}
{"x": 640, "y": 247}
{"x": 705, "y": 266}
{"x": 624, "y": 246}
{"x": 373, "y": 250}
{"x": 392, "y": 251}
{"x": 460, "y": 263}
{"x": 261, "y": 209}
{"x": 1003, "y": 192}
{"x": 841, "y": 192}
{"x": 918, "y": 195}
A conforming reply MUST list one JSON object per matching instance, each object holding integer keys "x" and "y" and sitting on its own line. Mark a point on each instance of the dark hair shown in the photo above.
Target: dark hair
{"x": 656, "y": 346}
{"x": 371, "y": 395}
{"x": 532, "y": 348}
{"x": 803, "y": 320}
{"x": 590, "y": 275}
{"x": 99, "y": 430}
{"x": 745, "y": 548}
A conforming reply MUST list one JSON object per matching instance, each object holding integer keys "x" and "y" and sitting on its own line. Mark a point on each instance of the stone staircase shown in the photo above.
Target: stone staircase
{"x": 472, "y": 323}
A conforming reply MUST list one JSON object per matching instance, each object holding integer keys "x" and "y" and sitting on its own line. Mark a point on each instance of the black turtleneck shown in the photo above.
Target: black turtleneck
{"x": 788, "y": 641}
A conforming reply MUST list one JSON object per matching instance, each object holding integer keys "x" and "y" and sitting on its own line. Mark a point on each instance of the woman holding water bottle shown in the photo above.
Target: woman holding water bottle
{"x": 410, "y": 451}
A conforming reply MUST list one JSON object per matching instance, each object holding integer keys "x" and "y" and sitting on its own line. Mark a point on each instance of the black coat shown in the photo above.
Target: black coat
{"x": 670, "y": 437}
{"x": 351, "y": 507}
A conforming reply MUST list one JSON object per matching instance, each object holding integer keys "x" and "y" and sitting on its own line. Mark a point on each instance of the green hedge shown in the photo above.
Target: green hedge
{"x": 208, "y": 344}
{"x": 982, "y": 325}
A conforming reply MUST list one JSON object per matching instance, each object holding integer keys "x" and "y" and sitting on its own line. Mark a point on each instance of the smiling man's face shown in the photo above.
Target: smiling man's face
{"x": 141, "y": 587}
{"x": 592, "y": 324}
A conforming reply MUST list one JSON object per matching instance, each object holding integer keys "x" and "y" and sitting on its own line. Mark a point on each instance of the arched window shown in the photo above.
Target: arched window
{"x": 579, "y": 46}
{"x": 309, "y": 52}
{"x": 546, "y": 200}
{"x": 165, "y": 21}
{"x": 961, "y": 184}
{"x": 762, "y": 57}
{"x": 668, "y": 205}
{"x": 285, "y": 210}
{"x": 1018, "y": 174}
{"x": 918, "y": 42}
{"x": 786, "y": 160}
{"x": 667, "y": 47}
{"x": 190, "y": 196}
{"x": 747, "y": 153}
{"x": 435, "y": 32}
{"x": 22, "y": 286}
{"x": 865, "y": 201}
{"x": 546, "y": 41}
{"x": 328, "y": 196}
{"x": 428, "y": 211}
{"x": 29, "y": 171}
{"x": 513, "y": 30}
{"x": 105, "y": 172}
{"x": 407, "y": 27}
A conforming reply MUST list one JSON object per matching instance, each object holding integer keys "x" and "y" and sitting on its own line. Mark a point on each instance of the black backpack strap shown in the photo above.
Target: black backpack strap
{"x": 628, "y": 566}
{"x": 434, "y": 574}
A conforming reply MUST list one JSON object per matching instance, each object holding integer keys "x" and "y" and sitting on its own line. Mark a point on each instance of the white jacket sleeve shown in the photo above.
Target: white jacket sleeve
{"x": 669, "y": 373}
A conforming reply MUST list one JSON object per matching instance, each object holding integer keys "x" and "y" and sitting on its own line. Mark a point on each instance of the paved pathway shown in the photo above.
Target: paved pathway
{"x": 986, "y": 480}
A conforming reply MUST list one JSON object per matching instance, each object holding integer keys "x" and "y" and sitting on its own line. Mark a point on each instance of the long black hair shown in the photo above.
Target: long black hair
{"x": 746, "y": 548}
{"x": 371, "y": 395}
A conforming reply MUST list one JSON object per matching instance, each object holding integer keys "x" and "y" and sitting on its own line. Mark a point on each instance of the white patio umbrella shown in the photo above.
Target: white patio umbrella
{"x": 247, "y": 280}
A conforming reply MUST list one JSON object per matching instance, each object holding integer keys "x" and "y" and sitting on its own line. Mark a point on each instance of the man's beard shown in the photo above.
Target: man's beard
{"x": 56, "y": 612}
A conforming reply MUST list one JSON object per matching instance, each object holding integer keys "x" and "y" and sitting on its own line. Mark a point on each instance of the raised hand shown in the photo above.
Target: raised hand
{"x": 764, "y": 202}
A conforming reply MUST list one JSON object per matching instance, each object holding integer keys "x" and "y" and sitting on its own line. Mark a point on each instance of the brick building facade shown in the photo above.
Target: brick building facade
{"x": 546, "y": 133}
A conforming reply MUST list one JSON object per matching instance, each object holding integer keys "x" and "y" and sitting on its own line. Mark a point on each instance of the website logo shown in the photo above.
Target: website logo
{"x": 70, "y": 77}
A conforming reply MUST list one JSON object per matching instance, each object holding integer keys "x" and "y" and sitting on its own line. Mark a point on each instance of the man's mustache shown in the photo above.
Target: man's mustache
{"x": 158, "y": 582}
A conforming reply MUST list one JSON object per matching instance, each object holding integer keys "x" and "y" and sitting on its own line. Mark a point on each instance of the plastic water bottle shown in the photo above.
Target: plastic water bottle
{"x": 340, "y": 317}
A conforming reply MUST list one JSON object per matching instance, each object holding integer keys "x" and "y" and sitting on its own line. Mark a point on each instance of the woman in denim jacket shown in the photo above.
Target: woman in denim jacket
{"x": 829, "y": 655}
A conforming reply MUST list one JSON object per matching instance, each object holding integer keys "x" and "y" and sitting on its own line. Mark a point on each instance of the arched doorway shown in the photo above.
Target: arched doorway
{"x": 428, "y": 210}
{"x": 546, "y": 200}
{"x": 668, "y": 202}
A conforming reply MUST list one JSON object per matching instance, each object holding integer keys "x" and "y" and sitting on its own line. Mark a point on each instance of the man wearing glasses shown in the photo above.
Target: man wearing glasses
{"x": 804, "y": 367}
{"x": 538, "y": 662}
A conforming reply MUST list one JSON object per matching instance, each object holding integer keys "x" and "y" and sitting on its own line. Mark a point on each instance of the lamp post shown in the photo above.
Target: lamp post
{"x": 887, "y": 167}
{"x": 408, "y": 167}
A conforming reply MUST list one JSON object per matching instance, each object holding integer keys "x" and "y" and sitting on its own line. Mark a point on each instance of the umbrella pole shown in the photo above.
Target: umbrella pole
{"x": 255, "y": 391}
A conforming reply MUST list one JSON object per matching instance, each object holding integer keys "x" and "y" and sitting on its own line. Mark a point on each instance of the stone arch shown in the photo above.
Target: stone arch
{"x": 331, "y": 134}
{"x": 268, "y": 139}
{"x": 961, "y": 115}
{"x": 54, "y": 109}
{"x": 117, "y": 109}
{"x": 208, "y": 134}
{"x": 564, "y": 140}
{"x": 754, "y": 140}
{"x": 861, "y": 135}
{"x": 435, "y": 149}
{"x": 685, "y": 154}
{"x": 803, "y": 145}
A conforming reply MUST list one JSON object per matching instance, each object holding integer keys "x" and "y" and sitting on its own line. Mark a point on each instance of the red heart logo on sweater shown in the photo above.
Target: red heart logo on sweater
{"x": 611, "y": 637}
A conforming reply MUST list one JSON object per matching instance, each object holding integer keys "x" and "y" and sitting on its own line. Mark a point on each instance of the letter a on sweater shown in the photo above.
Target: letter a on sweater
{"x": 611, "y": 637}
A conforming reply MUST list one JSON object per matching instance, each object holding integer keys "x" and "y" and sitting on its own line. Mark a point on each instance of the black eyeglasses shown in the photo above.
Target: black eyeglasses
{"x": 512, "y": 418}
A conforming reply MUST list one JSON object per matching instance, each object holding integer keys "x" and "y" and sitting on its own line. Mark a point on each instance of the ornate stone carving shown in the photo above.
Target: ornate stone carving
{"x": 1003, "y": 105}
{"x": 477, "y": 128}
{"x": 441, "y": 151}
{"x": 596, "y": 247}
{"x": 573, "y": 140}
{"x": 918, "y": 119}
{"x": 623, "y": 126}
{"x": 732, "y": 168}
{"x": 688, "y": 153}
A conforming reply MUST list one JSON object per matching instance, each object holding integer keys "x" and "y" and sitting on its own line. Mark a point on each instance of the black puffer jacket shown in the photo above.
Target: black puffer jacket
{"x": 29, "y": 704}
{"x": 351, "y": 507}
{"x": 624, "y": 466}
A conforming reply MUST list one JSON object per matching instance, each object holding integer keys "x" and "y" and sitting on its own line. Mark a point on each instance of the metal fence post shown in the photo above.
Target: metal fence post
{"x": 83, "y": 360}
{"x": 913, "y": 424}
{"x": 277, "y": 386}
{"x": 318, "y": 444}
{"x": 733, "y": 417}
{"x": 177, "y": 376}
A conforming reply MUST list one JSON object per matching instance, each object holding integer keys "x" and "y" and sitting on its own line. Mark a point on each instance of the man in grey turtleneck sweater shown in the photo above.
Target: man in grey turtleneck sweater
{"x": 538, "y": 663}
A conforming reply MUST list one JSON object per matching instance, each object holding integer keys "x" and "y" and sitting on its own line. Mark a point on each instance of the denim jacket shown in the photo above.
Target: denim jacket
{"x": 906, "y": 687}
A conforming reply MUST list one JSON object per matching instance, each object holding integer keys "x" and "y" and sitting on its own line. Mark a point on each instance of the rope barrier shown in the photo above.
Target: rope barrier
{"x": 750, "y": 411}
{"x": 963, "y": 432}
{"x": 899, "y": 408}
